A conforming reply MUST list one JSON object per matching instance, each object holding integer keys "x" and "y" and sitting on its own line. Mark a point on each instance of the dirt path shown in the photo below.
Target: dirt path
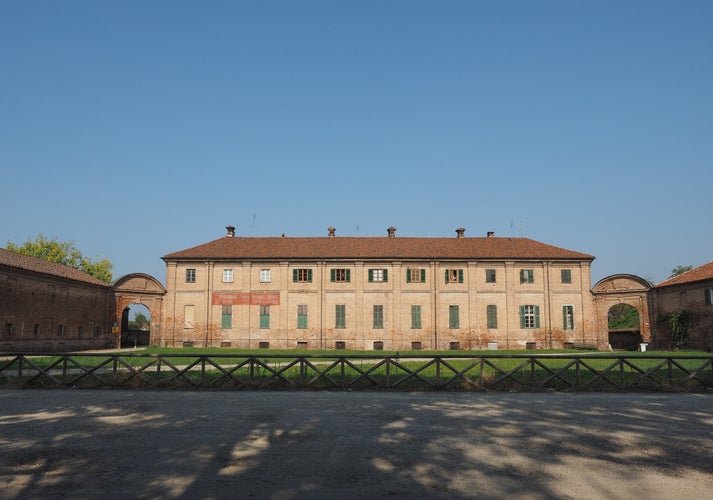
{"x": 123, "y": 444}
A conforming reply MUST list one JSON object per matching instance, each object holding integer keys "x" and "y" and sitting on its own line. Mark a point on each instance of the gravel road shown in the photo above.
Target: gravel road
{"x": 89, "y": 444}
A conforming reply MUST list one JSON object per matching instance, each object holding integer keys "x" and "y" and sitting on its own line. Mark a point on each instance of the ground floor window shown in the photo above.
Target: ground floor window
{"x": 453, "y": 317}
{"x": 264, "y": 316}
{"x": 226, "y": 317}
{"x": 378, "y": 316}
{"x": 340, "y": 316}
{"x": 529, "y": 316}
{"x": 568, "y": 317}
{"x": 302, "y": 316}
{"x": 415, "y": 316}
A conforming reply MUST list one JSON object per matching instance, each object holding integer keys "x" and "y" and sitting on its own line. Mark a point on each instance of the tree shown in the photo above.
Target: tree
{"x": 64, "y": 252}
{"x": 679, "y": 270}
{"x": 140, "y": 320}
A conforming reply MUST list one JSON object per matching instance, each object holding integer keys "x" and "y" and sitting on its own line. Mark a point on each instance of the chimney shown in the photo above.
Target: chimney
{"x": 491, "y": 234}
{"x": 460, "y": 232}
{"x": 331, "y": 230}
{"x": 231, "y": 231}
{"x": 391, "y": 231}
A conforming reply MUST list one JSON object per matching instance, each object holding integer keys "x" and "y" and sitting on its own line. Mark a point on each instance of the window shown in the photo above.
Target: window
{"x": 302, "y": 275}
{"x": 227, "y": 275}
{"x": 340, "y": 316}
{"x": 453, "y": 317}
{"x": 188, "y": 316}
{"x": 190, "y": 275}
{"x": 568, "y": 317}
{"x": 527, "y": 276}
{"x": 378, "y": 345}
{"x": 492, "y": 314}
{"x": 8, "y": 329}
{"x": 302, "y": 316}
{"x": 60, "y": 330}
{"x": 80, "y": 332}
{"x": 36, "y": 330}
{"x": 454, "y": 275}
{"x": 415, "y": 316}
{"x": 709, "y": 296}
{"x": 264, "y": 276}
{"x": 566, "y": 276}
{"x": 264, "y": 316}
{"x": 378, "y": 316}
{"x": 378, "y": 275}
{"x": 226, "y": 317}
{"x": 414, "y": 275}
{"x": 529, "y": 316}
{"x": 339, "y": 275}
{"x": 490, "y": 275}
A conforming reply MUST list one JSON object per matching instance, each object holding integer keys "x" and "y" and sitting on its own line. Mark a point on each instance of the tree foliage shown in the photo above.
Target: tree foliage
{"x": 679, "y": 270}
{"x": 64, "y": 252}
{"x": 623, "y": 317}
{"x": 140, "y": 321}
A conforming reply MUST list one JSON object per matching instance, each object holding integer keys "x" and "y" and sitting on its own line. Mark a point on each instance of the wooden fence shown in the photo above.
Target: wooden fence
{"x": 483, "y": 372}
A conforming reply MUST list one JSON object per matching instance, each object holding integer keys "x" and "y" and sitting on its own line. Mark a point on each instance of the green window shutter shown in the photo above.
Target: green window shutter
{"x": 564, "y": 317}
{"x": 415, "y": 316}
{"x": 447, "y": 275}
{"x": 423, "y": 275}
{"x": 460, "y": 275}
{"x": 492, "y": 316}
{"x": 386, "y": 275}
{"x": 537, "y": 316}
{"x": 371, "y": 275}
{"x": 309, "y": 275}
{"x": 453, "y": 317}
{"x": 294, "y": 276}
{"x": 522, "y": 316}
{"x": 332, "y": 275}
{"x": 408, "y": 275}
{"x": 522, "y": 275}
{"x": 349, "y": 275}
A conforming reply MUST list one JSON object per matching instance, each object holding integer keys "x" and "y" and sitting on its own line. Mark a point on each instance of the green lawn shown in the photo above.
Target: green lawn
{"x": 222, "y": 368}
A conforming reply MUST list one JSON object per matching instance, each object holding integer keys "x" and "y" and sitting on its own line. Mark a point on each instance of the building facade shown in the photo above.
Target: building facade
{"x": 50, "y": 307}
{"x": 368, "y": 293}
{"x": 688, "y": 300}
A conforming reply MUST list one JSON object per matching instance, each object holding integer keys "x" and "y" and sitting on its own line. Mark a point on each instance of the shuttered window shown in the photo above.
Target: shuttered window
{"x": 492, "y": 314}
{"x": 378, "y": 316}
{"x": 568, "y": 317}
{"x": 226, "y": 317}
{"x": 415, "y": 275}
{"x": 453, "y": 317}
{"x": 264, "y": 316}
{"x": 302, "y": 316}
{"x": 378, "y": 275}
{"x": 340, "y": 275}
{"x": 454, "y": 275}
{"x": 340, "y": 316}
{"x": 529, "y": 316}
{"x": 415, "y": 316}
{"x": 302, "y": 275}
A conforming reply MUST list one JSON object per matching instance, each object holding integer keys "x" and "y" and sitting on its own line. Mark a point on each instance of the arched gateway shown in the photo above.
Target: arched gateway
{"x": 614, "y": 296}
{"x": 139, "y": 288}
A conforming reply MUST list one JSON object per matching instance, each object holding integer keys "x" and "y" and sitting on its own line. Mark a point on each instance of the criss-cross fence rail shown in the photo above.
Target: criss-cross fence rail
{"x": 491, "y": 372}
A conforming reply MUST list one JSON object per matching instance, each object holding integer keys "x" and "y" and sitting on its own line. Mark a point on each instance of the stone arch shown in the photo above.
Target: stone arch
{"x": 144, "y": 289}
{"x": 618, "y": 289}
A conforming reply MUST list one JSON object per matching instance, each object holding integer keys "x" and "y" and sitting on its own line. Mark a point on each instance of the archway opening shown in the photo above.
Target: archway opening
{"x": 624, "y": 329}
{"x": 135, "y": 326}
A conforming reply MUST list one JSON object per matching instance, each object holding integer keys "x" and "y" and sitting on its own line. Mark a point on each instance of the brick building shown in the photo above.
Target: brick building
{"x": 386, "y": 292}
{"x": 690, "y": 293}
{"x": 46, "y": 306}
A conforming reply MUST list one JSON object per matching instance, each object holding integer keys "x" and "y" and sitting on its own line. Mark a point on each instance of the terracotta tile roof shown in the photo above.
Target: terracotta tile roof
{"x": 374, "y": 248}
{"x": 701, "y": 273}
{"x": 38, "y": 265}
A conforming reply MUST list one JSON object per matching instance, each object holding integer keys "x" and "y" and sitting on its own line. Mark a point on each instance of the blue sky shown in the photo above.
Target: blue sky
{"x": 137, "y": 128}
